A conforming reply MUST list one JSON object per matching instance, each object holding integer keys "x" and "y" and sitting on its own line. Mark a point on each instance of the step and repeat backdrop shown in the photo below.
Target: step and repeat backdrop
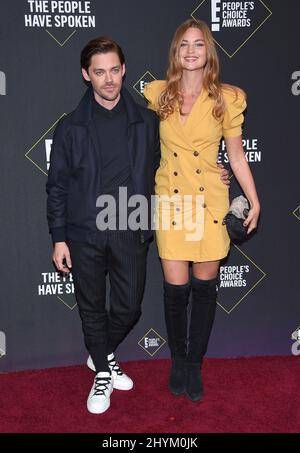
{"x": 258, "y": 304}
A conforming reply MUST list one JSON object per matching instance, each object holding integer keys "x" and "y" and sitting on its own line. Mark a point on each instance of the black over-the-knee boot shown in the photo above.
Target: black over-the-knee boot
{"x": 175, "y": 304}
{"x": 204, "y": 296}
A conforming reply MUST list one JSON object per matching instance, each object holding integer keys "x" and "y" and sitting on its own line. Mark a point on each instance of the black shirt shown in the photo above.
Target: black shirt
{"x": 111, "y": 128}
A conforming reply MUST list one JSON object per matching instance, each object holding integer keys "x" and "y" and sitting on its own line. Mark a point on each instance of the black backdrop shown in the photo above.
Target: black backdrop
{"x": 258, "y": 306}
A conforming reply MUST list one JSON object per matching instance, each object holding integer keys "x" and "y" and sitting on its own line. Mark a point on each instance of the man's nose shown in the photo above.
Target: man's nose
{"x": 108, "y": 77}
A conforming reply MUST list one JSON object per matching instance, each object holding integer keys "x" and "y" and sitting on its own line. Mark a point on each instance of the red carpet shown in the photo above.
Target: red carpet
{"x": 245, "y": 395}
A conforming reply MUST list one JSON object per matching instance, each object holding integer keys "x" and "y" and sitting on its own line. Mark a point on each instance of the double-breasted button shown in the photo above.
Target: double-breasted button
{"x": 196, "y": 153}
{"x": 201, "y": 189}
{"x": 204, "y": 205}
{"x": 175, "y": 154}
{"x": 176, "y": 191}
{"x": 173, "y": 223}
{"x": 175, "y": 173}
{"x": 198, "y": 171}
{"x": 215, "y": 221}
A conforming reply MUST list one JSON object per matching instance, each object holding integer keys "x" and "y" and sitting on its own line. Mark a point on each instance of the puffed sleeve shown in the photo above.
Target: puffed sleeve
{"x": 235, "y": 104}
{"x": 152, "y": 92}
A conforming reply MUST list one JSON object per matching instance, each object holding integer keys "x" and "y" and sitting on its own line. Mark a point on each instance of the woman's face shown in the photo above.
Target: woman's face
{"x": 192, "y": 52}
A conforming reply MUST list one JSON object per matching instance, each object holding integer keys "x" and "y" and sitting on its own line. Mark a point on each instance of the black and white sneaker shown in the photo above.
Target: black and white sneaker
{"x": 99, "y": 397}
{"x": 120, "y": 380}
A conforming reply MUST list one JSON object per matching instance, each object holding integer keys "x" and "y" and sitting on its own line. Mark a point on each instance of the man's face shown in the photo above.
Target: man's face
{"x": 105, "y": 74}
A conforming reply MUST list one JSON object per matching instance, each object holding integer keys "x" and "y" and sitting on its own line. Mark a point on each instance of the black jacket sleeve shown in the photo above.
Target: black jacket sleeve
{"x": 58, "y": 182}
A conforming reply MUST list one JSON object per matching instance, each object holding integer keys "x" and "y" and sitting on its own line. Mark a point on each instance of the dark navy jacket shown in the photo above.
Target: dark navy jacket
{"x": 74, "y": 178}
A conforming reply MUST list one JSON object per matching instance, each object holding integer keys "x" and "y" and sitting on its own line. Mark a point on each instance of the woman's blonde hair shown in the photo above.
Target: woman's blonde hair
{"x": 171, "y": 96}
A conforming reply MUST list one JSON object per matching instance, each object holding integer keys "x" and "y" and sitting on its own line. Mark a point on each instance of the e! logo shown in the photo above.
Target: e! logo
{"x": 215, "y": 18}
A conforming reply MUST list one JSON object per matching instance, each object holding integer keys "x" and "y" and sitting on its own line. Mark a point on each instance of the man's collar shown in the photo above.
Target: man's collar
{"x": 82, "y": 115}
{"x": 109, "y": 113}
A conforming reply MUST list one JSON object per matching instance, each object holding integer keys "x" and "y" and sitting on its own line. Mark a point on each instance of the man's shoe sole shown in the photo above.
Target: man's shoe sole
{"x": 95, "y": 411}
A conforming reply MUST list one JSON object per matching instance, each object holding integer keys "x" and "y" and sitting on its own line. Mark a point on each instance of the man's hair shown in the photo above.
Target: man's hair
{"x": 103, "y": 44}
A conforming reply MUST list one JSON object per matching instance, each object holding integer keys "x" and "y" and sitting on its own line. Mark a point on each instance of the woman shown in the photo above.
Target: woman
{"x": 195, "y": 110}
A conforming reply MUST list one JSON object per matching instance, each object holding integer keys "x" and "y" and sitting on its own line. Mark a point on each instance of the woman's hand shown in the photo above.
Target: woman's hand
{"x": 252, "y": 218}
{"x": 224, "y": 175}
{"x": 242, "y": 172}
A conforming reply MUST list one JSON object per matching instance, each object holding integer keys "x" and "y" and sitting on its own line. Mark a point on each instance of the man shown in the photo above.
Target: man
{"x": 108, "y": 142}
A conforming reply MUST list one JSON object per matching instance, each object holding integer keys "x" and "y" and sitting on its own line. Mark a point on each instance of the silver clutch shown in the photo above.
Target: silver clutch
{"x": 234, "y": 219}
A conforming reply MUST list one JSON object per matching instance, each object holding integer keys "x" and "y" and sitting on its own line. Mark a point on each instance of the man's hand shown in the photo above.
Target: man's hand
{"x": 61, "y": 257}
{"x": 224, "y": 175}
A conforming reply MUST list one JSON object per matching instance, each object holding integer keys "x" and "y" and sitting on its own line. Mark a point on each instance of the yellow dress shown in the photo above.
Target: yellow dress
{"x": 188, "y": 166}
